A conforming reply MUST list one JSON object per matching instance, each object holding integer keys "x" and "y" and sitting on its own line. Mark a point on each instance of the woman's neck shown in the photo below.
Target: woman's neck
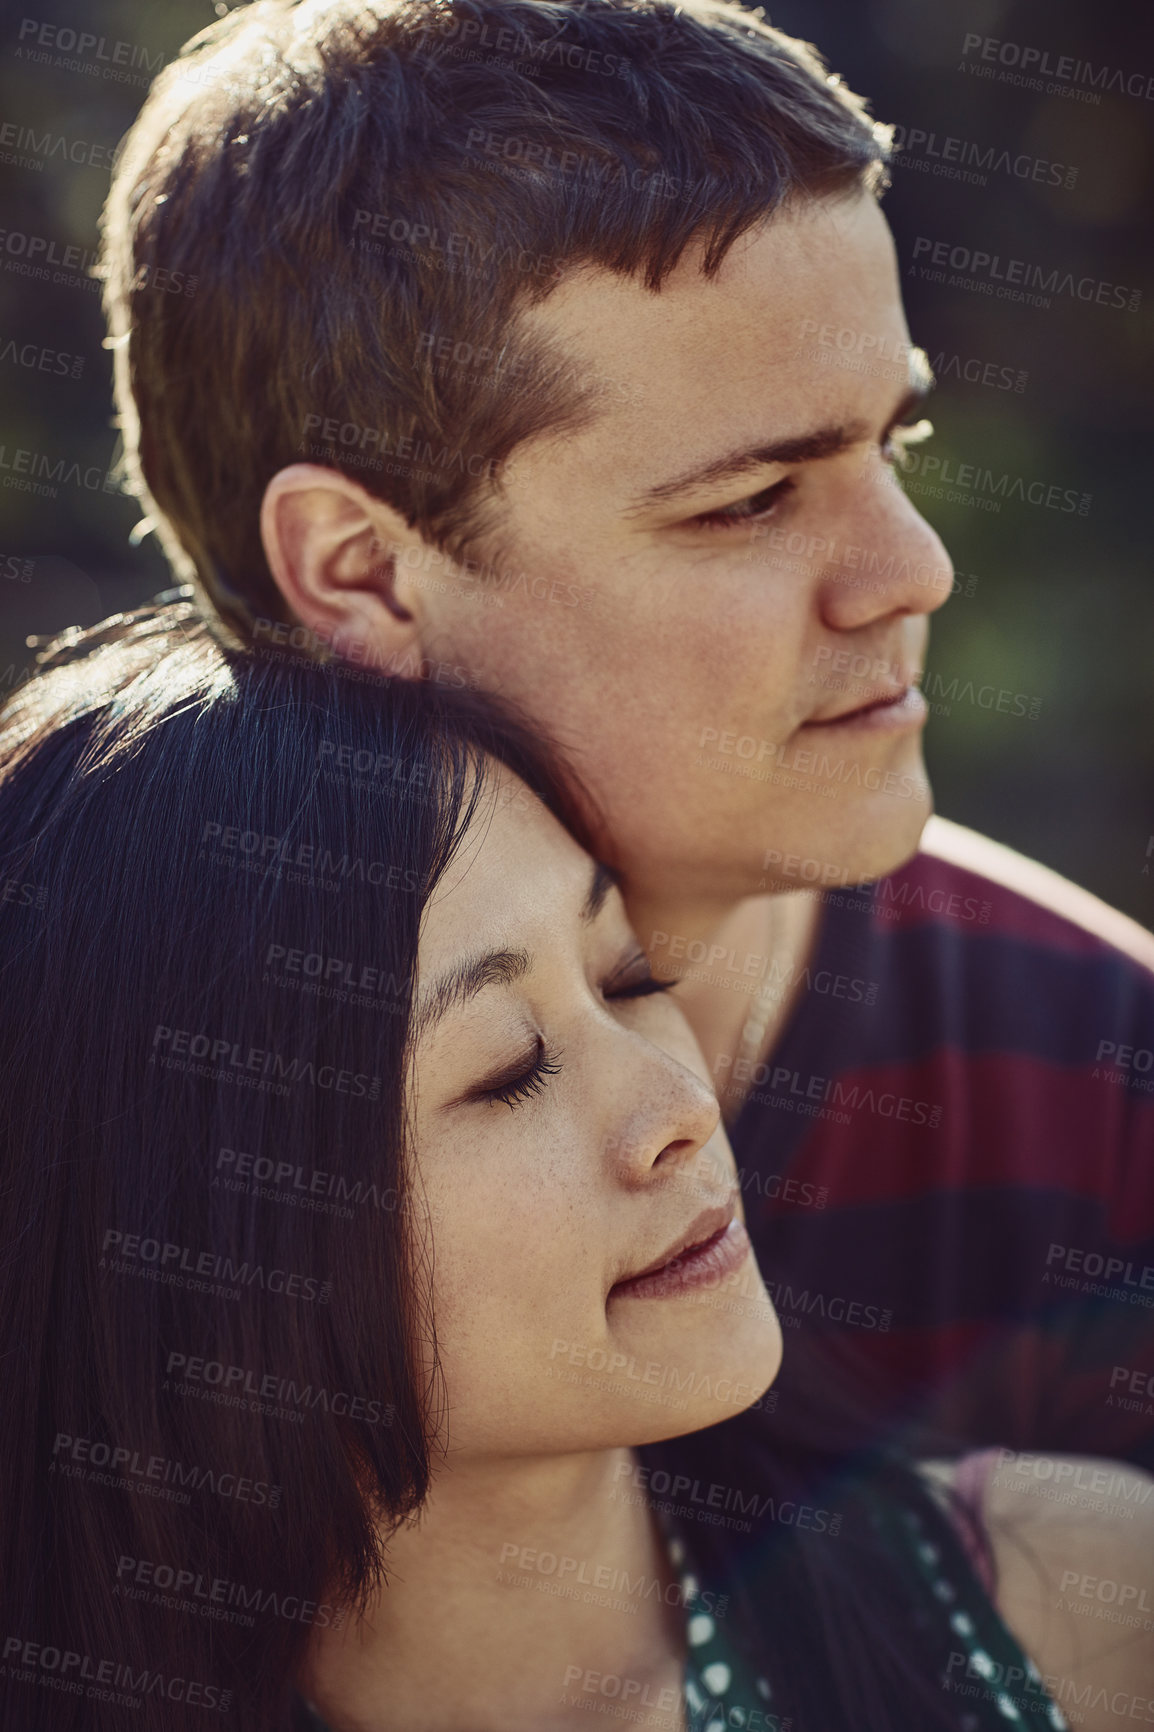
{"x": 522, "y": 1585}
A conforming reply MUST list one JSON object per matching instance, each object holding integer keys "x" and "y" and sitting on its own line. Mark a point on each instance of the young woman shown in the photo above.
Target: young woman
{"x": 382, "y": 1343}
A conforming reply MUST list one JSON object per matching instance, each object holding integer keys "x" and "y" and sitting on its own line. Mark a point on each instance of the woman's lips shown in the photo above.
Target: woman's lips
{"x": 907, "y": 709}
{"x": 702, "y": 1266}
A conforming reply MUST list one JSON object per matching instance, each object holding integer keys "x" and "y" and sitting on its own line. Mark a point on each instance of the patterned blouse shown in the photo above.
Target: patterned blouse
{"x": 984, "y": 1670}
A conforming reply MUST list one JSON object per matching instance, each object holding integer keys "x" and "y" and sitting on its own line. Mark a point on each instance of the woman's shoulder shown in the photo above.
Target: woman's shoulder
{"x": 1070, "y": 1543}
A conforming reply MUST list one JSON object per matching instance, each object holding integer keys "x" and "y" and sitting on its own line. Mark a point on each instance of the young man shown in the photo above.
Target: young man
{"x": 478, "y": 342}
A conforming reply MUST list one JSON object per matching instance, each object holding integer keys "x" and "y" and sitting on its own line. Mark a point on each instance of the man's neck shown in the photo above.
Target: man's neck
{"x": 736, "y": 964}
{"x": 503, "y": 1596}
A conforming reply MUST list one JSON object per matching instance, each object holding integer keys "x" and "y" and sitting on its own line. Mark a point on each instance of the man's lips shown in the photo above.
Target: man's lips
{"x": 886, "y": 710}
{"x": 713, "y": 1244}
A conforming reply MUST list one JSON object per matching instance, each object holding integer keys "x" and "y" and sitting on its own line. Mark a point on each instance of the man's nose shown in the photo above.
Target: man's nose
{"x": 893, "y": 561}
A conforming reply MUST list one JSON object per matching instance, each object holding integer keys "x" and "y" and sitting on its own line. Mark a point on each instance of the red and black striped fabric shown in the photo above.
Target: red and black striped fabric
{"x": 948, "y": 1171}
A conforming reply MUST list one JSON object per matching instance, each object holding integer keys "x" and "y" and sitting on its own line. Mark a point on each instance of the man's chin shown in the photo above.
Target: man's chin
{"x": 884, "y": 845}
{"x": 878, "y": 838}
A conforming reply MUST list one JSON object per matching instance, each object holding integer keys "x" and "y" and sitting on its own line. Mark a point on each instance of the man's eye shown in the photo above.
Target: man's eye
{"x": 635, "y": 980}
{"x": 898, "y": 439}
{"x": 752, "y": 510}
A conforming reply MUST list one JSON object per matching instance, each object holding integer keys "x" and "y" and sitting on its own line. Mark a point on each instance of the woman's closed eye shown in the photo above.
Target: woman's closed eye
{"x": 529, "y": 1074}
{"x": 523, "y": 1079}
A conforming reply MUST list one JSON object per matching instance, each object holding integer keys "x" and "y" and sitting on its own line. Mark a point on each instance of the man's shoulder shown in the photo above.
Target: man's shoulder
{"x": 968, "y": 881}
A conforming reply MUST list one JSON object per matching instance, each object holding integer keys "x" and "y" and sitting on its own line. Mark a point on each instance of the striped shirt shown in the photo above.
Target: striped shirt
{"x": 948, "y": 1165}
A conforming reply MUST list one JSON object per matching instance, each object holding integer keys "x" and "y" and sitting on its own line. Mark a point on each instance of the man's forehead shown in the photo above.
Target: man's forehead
{"x": 820, "y": 262}
{"x": 801, "y": 328}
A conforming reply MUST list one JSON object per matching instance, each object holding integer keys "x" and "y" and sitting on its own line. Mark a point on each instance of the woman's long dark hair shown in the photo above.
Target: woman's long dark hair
{"x": 213, "y": 865}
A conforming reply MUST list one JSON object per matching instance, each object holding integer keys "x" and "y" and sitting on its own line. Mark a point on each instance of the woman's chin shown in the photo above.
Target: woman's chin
{"x": 713, "y": 1377}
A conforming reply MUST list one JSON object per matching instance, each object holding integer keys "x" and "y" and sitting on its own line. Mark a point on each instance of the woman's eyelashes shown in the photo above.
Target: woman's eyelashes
{"x": 530, "y": 1073}
{"x": 526, "y": 1078}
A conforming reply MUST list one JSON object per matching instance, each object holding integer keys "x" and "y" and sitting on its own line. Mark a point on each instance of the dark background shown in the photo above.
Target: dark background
{"x": 1055, "y": 608}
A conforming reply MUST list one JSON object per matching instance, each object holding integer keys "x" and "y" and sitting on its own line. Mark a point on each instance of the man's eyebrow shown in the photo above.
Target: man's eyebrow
{"x": 465, "y": 980}
{"x": 802, "y": 448}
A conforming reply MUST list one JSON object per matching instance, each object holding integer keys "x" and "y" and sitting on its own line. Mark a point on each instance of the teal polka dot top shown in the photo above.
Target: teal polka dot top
{"x": 983, "y": 1671}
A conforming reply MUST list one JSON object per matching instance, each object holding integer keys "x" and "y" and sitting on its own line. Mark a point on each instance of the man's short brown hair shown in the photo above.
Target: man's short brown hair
{"x": 329, "y": 215}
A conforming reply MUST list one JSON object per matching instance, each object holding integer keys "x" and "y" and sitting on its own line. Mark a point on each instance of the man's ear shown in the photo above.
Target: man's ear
{"x": 333, "y": 550}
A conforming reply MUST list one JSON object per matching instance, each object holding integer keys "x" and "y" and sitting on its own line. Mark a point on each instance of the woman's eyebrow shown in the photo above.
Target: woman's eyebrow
{"x": 465, "y": 980}
{"x": 799, "y": 448}
{"x": 497, "y": 967}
